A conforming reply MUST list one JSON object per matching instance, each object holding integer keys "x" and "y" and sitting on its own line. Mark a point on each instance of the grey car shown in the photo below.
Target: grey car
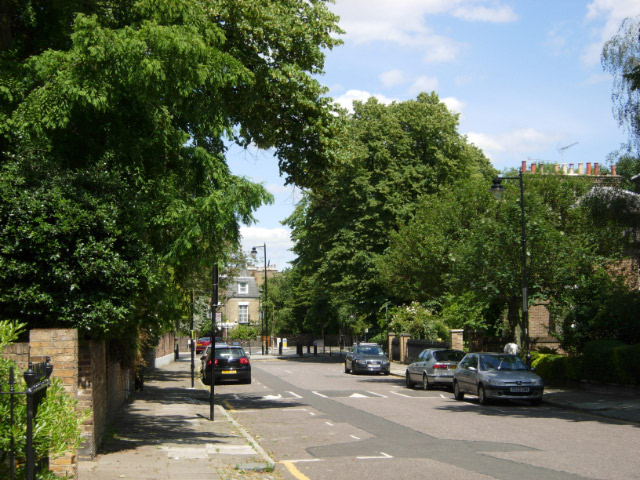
{"x": 496, "y": 376}
{"x": 435, "y": 366}
{"x": 366, "y": 357}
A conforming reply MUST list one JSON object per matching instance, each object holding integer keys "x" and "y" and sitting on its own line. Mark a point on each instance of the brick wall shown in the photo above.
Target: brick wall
{"x": 19, "y": 353}
{"x": 62, "y": 346}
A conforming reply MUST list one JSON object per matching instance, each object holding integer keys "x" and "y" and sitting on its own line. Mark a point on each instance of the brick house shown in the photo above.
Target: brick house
{"x": 241, "y": 303}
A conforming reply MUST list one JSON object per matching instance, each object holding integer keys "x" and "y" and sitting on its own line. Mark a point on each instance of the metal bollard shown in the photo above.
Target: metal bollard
{"x": 280, "y": 348}
{"x": 315, "y": 350}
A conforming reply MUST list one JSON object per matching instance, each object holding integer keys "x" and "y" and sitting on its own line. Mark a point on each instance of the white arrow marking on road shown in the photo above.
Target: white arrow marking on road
{"x": 319, "y": 394}
{"x": 384, "y": 455}
{"x": 376, "y": 394}
{"x": 358, "y": 395}
{"x": 401, "y": 395}
{"x": 294, "y": 394}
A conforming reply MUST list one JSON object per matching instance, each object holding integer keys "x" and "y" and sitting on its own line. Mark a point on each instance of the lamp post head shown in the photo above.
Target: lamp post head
{"x": 497, "y": 189}
{"x": 254, "y": 252}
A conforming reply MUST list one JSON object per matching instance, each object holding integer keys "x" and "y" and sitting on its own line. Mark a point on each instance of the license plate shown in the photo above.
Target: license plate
{"x": 519, "y": 389}
{"x": 228, "y": 371}
{"x": 452, "y": 367}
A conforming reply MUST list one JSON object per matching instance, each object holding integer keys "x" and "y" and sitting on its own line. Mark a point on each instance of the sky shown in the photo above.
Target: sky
{"x": 524, "y": 75}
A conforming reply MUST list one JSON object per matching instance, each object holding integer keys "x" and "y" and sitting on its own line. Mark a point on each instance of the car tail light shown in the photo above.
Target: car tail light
{"x": 209, "y": 362}
{"x": 440, "y": 365}
{"x": 244, "y": 361}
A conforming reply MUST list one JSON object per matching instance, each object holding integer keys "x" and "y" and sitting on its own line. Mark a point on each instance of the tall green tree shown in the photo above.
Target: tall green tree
{"x": 389, "y": 157}
{"x": 621, "y": 57}
{"x": 113, "y": 120}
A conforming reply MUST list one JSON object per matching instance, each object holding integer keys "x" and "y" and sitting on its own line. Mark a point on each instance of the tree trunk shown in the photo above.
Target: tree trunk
{"x": 516, "y": 332}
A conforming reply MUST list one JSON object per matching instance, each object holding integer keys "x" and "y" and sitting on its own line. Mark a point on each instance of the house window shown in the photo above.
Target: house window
{"x": 243, "y": 313}
{"x": 243, "y": 288}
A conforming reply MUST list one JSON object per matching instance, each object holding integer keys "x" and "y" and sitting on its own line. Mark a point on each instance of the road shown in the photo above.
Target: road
{"x": 324, "y": 424}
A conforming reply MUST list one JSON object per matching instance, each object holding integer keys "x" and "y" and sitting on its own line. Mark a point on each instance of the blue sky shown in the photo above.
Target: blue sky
{"x": 525, "y": 76}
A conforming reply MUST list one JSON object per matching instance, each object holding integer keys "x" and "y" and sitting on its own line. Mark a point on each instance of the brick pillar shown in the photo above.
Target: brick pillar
{"x": 456, "y": 337}
{"x": 61, "y": 344}
{"x": 92, "y": 394}
{"x": 404, "y": 338}
{"x": 390, "y": 346}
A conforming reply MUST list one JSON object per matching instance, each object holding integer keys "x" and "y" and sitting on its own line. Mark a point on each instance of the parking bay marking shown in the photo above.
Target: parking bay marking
{"x": 383, "y": 456}
{"x": 319, "y": 394}
{"x": 294, "y": 394}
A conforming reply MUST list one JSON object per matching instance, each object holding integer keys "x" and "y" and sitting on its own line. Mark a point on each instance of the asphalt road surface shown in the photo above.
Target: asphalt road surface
{"x": 321, "y": 423}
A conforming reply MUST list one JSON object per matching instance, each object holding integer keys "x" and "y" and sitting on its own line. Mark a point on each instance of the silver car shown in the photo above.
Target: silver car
{"x": 435, "y": 366}
{"x": 496, "y": 376}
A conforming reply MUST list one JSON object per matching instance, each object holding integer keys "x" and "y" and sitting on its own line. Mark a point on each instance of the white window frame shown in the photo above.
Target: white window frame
{"x": 243, "y": 288}
{"x": 243, "y": 307}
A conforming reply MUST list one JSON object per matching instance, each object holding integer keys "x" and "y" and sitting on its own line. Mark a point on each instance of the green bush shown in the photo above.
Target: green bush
{"x": 626, "y": 360}
{"x": 599, "y": 363}
{"x": 556, "y": 369}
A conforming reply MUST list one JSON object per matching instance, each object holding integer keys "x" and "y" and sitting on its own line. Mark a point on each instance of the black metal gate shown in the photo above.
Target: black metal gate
{"x": 37, "y": 380}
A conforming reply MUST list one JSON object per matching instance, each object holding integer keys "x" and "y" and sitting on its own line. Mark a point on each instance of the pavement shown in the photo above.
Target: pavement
{"x": 165, "y": 431}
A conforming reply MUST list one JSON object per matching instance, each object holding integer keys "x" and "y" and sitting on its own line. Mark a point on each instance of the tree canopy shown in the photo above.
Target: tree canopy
{"x": 389, "y": 156}
{"x": 113, "y": 121}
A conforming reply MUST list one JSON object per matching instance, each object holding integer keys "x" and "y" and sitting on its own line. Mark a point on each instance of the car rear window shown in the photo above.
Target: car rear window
{"x": 229, "y": 352}
{"x": 448, "y": 356}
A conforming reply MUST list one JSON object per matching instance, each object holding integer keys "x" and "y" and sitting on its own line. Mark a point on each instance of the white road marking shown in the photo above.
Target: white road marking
{"x": 294, "y": 394}
{"x": 354, "y": 437}
{"x": 330, "y": 424}
{"x": 358, "y": 395}
{"x": 319, "y": 394}
{"x": 272, "y": 397}
{"x": 302, "y": 460}
{"x": 290, "y": 373}
{"x": 312, "y": 414}
{"x": 296, "y": 409}
{"x": 376, "y": 394}
{"x": 384, "y": 455}
{"x": 442, "y": 396}
{"x": 401, "y": 395}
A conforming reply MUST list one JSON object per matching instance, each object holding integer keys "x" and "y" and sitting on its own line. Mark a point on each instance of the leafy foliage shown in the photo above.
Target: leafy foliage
{"x": 418, "y": 321}
{"x": 389, "y": 157}
{"x": 116, "y": 197}
{"x": 620, "y": 57}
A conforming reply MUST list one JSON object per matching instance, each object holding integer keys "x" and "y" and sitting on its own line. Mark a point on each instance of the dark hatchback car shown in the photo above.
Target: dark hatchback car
{"x": 230, "y": 362}
{"x": 366, "y": 357}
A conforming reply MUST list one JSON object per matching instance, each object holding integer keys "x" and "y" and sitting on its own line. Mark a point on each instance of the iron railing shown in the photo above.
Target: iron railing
{"x": 37, "y": 380}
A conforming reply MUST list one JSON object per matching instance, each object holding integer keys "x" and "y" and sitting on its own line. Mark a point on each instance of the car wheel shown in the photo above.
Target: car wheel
{"x": 482, "y": 396}
{"x": 346, "y": 370}
{"x": 457, "y": 394}
{"x": 425, "y": 382}
{"x": 408, "y": 381}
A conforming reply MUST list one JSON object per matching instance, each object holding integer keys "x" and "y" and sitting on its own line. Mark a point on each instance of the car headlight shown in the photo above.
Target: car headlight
{"x": 495, "y": 381}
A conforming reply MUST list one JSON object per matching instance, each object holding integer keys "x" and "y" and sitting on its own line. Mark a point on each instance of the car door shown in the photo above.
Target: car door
{"x": 464, "y": 372}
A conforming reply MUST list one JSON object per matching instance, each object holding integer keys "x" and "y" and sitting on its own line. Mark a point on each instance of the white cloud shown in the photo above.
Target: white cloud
{"x": 613, "y": 12}
{"x": 524, "y": 140}
{"x": 475, "y": 13}
{"x": 404, "y": 22}
{"x": 277, "y": 240}
{"x": 424, "y": 84}
{"x": 392, "y": 78}
{"x": 453, "y": 104}
{"x": 346, "y": 100}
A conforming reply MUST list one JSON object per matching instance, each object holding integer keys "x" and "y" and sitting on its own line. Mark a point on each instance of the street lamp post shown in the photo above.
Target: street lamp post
{"x": 497, "y": 189}
{"x": 254, "y": 252}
